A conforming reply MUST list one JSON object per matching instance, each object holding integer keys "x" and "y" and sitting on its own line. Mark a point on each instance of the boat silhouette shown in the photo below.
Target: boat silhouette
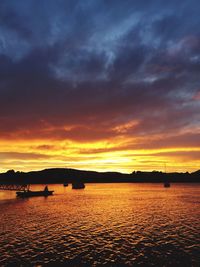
{"x": 28, "y": 193}
{"x": 78, "y": 185}
{"x": 167, "y": 184}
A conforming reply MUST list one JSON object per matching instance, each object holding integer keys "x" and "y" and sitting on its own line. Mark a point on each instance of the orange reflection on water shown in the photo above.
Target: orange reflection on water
{"x": 104, "y": 223}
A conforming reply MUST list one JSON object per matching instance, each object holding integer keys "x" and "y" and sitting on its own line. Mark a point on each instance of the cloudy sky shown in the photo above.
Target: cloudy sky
{"x": 100, "y": 85}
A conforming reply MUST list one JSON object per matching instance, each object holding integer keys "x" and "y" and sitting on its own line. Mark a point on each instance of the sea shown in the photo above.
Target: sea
{"x": 108, "y": 224}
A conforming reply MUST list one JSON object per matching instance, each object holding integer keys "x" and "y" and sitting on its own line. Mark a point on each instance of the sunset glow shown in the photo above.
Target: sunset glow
{"x": 122, "y": 154}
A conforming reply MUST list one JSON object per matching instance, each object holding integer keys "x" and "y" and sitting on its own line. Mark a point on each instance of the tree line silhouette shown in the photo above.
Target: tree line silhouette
{"x": 66, "y": 175}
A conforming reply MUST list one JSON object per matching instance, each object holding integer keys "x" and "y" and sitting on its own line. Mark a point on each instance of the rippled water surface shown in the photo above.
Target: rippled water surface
{"x": 102, "y": 225}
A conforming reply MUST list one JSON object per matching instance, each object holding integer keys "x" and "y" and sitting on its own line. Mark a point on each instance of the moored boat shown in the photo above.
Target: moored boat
{"x": 34, "y": 193}
{"x": 166, "y": 184}
{"x": 78, "y": 185}
{"x": 29, "y": 193}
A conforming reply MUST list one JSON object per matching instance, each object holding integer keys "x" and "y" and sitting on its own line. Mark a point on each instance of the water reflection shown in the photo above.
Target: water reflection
{"x": 104, "y": 224}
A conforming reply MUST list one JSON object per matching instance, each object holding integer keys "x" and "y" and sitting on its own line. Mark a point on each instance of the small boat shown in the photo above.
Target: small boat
{"x": 78, "y": 185}
{"x": 167, "y": 184}
{"x": 34, "y": 193}
{"x": 29, "y": 193}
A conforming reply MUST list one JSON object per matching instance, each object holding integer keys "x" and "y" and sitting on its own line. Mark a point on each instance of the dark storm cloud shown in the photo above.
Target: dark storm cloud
{"x": 94, "y": 65}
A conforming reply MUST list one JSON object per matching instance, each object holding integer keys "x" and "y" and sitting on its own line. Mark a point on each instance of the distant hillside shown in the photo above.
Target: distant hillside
{"x": 196, "y": 173}
{"x": 61, "y": 175}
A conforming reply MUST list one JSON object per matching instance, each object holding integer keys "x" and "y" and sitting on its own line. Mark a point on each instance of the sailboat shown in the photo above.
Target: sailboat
{"x": 166, "y": 183}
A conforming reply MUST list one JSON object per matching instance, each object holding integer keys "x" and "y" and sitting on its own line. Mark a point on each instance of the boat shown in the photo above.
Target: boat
{"x": 78, "y": 185}
{"x": 34, "y": 193}
{"x": 28, "y": 193}
{"x": 167, "y": 184}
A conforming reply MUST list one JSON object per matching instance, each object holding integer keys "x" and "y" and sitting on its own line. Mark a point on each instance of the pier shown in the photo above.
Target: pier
{"x": 15, "y": 187}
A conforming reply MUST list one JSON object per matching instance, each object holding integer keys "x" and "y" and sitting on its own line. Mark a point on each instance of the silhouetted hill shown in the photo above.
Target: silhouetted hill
{"x": 61, "y": 175}
{"x": 196, "y": 173}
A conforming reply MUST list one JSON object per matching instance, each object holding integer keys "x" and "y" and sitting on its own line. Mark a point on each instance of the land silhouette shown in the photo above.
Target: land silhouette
{"x": 66, "y": 175}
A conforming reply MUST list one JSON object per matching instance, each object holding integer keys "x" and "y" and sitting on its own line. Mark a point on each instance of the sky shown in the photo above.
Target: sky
{"x": 100, "y": 85}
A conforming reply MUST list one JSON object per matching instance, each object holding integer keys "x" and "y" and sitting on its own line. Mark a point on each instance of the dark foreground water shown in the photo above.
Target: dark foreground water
{"x": 102, "y": 225}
